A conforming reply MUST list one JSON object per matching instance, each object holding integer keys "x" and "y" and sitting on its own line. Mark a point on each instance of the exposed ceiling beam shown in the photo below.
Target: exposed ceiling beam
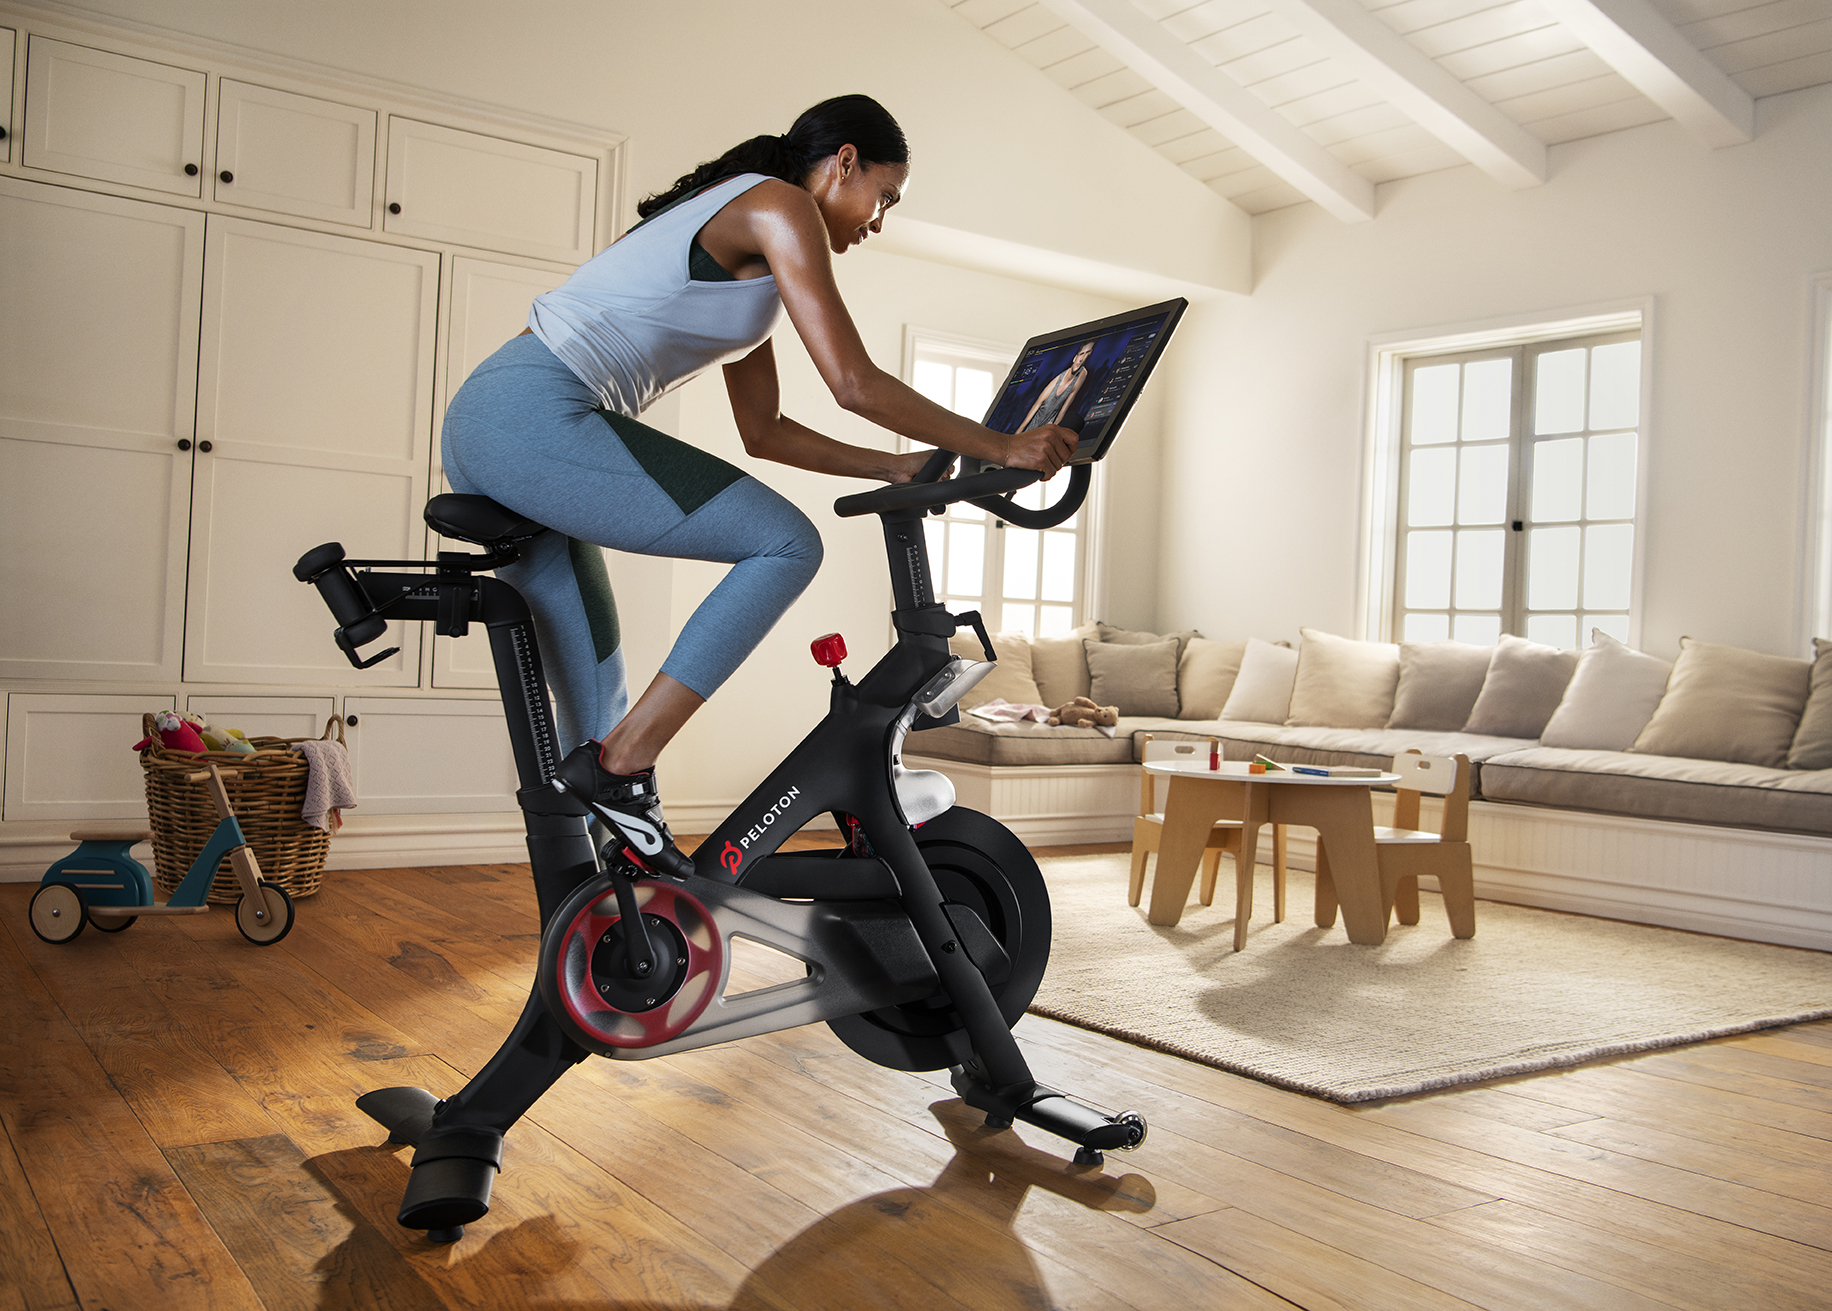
{"x": 1215, "y": 98}
{"x": 1418, "y": 87}
{"x": 1632, "y": 38}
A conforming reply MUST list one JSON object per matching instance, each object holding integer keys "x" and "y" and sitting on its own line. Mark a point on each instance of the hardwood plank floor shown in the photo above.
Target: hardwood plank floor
{"x": 179, "y": 1131}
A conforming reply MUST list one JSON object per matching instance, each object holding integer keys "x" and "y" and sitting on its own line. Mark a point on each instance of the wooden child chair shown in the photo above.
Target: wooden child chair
{"x": 1406, "y": 851}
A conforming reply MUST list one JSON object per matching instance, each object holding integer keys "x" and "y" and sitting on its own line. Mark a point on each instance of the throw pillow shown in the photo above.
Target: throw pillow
{"x": 1060, "y": 666}
{"x": 1262, "y": 691}
{"x": 1138, "y": 637}
{"x": 1525, "y": 683}
{"x": 1205, "y": 675}
{"x": 1812, "y": 747}
{"x": 1725, "y": 703}
{"x": 1011, "y": 681}
{"x": 1342, "y": 683}
{"x": 1140, "y": 680}
{"x": 1610, "y": 699}
{"x": 1438, "y": 684}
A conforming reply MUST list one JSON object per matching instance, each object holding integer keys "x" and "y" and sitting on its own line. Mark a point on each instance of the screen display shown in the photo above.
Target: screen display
{"x": 1079, "y": 382}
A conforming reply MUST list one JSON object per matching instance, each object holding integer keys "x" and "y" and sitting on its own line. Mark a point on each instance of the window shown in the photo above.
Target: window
{"x": 1516, "y": 506}
{"x": 1021, "y": 580}
{"x": 1816, "y": 610}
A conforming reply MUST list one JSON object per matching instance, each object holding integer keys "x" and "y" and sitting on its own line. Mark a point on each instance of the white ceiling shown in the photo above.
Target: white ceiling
{"x": 1515, "y": 55}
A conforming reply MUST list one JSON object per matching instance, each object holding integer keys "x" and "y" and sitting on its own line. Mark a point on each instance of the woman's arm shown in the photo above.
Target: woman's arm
{"x": 1032, "y": 412}
{"x": 771, "y": 435}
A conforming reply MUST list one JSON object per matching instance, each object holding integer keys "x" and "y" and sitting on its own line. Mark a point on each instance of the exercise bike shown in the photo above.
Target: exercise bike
{"x": 924, "y": 936}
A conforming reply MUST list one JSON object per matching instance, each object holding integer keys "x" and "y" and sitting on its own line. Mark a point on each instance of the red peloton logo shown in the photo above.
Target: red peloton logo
{"x": 731, "y": 858}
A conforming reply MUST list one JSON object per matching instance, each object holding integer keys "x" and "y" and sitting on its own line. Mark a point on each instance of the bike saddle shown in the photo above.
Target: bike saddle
{"x": 479, "y": 520}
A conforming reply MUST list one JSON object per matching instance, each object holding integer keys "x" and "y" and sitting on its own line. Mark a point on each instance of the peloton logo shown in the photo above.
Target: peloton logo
{"x": 731, "y": 858}
{"x": 770, "y": 817}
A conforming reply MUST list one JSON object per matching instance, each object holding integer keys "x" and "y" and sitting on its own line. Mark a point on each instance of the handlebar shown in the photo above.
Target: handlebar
{"x": 990, "y": 490}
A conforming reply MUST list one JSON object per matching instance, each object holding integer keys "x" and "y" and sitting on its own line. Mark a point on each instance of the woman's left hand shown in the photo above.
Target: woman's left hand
{"x": 903, "y": 468}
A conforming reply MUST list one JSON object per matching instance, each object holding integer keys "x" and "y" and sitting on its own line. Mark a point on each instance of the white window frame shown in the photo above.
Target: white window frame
{"x": 1382, "y": 444}
{"x": 1815, "y": 617}
{"x": 1090, "y": 528}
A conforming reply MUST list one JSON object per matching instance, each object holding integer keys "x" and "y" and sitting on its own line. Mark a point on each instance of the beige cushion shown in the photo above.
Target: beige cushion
{"x": 1138, "y": 637}
{"x": 1438, "y": 684}
{"x": 1205, "y": 675}
{"x": 1262, "y": 690}
{"x": 1342, "y": 683}
{"x": 1011, "y": 681}
{"x": 1812, "y": 748}
{"x": 1060, "y": 666}
{"x": 1609, "y": 700}
{"x": 1525, "y": 683}
{"x": 1140, "y": 680}
{"x": 1725, "y": 703}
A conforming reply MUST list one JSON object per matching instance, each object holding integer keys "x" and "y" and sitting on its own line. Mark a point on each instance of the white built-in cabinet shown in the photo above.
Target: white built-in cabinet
{"x": 236, "y": 304}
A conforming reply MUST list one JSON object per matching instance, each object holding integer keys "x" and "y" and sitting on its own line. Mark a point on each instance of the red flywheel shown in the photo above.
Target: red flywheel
{"x": 591, "y": 990}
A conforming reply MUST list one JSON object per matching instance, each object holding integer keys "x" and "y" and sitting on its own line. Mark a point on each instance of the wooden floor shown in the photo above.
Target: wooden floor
{"x": 180, "y": 1133}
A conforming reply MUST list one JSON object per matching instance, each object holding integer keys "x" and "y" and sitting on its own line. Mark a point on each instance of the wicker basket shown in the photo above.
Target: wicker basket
{"x": 267, "y": 798}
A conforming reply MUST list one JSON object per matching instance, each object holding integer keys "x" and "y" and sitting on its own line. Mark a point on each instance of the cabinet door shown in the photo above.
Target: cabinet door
{"x": 489, "y": 305}
{"x": 315, "y": 394}
{"x": 67, "y": 757}
{"x": 8, "y": 40}
{"x": 265, "y": 716}
{"x": 98, "y": 382}
{"x": 474, "y": 190}
{"x": 428, "y": 757}
{"x": 103, "y": 115}
{"x": 294, "y": 154}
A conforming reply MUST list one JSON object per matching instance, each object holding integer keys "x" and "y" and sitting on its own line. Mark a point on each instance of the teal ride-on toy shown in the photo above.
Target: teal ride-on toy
{"x": 100, "y": 884}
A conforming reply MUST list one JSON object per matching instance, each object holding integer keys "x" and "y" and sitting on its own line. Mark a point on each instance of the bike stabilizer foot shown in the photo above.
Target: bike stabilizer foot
{"x": 1090, "y": 1130}
{"x": 406, "y": 1113}
{"x": 453, "y": 1172}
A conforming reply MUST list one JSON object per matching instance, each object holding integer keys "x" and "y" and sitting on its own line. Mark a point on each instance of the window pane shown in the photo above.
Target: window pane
{"x": 936, "y": 381}
{"x": 1487, "y": 399}
{"x": 961, "y": 510}
{"x": 1427, "y": 570}
{"x": 1057, "y": 620}
{"x": 1615, "y": 385}
{"x": 1431, "y": 496}
{"x": 1477, "y": 630}
{"x": 1554, "y": 630}
{"x": 966, "y": 559}
{"x": 1615, "y": 625}
{"x": 1552, "y": 569}
{"x": 1609, "y": 551}
{"x": 1558, "y": 399}
{"x": 1482, "y": 484}
{"x": 1610, "y": 490}
{"x": 1426, "y": 628}
{"x": 1018, "y": 619}
{"x": 1479, "y": 569}
{"x": 1558, "y": 480}
{"x": 972, "y": 392}
{"x": 1031, "y": 498}
{"x": 1058, "y": 567}
{"x": 1434, "y": 404}
{"x": 1020, "y": 562}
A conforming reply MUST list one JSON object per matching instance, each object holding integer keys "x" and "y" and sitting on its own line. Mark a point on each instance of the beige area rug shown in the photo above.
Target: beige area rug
{"x": 1304, "y": 1008}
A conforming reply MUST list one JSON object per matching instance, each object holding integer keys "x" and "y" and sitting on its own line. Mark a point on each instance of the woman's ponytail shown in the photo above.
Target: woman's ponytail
{"x": 857, "y": 121}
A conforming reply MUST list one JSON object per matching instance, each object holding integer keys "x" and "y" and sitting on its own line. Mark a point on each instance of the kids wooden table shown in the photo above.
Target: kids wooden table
{"x": 1340, "y": 809}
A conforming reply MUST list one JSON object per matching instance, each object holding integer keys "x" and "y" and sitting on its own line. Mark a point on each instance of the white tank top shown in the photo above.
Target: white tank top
{"x": 631, "y": 322}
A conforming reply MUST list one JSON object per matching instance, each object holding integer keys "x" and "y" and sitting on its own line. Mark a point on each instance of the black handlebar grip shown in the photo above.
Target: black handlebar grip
{"x": 323, "y": 567}
{"x": 937, "y": 465}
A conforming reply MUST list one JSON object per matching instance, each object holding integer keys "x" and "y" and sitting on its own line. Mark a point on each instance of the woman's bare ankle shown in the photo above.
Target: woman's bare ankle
{"x": 619, "y": 759}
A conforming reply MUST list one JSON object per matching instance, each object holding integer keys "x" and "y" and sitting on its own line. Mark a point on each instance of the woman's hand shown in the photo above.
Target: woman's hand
{"x": 1044, "y": 449}
{"x": 904, "y": 468}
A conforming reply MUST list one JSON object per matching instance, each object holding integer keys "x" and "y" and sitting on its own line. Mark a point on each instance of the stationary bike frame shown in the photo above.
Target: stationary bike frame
{"x": 875, "y": 930}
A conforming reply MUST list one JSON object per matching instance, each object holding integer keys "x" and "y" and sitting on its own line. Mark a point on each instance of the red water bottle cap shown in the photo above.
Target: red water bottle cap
{"x": 828, "y": 650}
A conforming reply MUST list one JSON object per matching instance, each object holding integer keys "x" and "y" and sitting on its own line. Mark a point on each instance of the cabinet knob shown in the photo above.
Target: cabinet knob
{"x": 350, "y": 720}
{"x": 2, "y": 134}
{"x": 205, "y": 447}
{"x": 184, "y": 443}
{"x": 226, "y": 176}
{"x": 395, "y": 208}
{"x": 190, "y": 170}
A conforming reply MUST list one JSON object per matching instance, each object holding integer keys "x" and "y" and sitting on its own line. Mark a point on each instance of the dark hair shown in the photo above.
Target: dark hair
{"x": 857, "y": 121}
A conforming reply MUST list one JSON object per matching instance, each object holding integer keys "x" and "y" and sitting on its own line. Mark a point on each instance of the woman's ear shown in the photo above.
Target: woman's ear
{"x": 846, "y": 159}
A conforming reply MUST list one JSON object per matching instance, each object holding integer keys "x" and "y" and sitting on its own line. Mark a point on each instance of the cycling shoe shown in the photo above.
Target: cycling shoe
{"x": 629, "y": 804}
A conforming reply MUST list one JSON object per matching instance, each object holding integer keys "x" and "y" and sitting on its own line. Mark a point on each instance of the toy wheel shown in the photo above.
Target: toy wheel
{"x": 111, "y": 923}
{"x": 58, "y": 912}
{"x": 266, "y": 921}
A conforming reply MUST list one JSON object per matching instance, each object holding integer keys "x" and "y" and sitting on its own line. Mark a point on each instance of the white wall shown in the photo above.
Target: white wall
{"x": 1265, "y": 418}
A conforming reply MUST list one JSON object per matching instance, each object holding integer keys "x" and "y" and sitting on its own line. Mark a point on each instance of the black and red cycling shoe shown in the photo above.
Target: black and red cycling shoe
{"x": 629, "y": 804}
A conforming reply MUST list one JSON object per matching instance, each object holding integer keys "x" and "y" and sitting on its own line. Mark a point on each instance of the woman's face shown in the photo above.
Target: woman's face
{"x": 853, "y": 196}
{"x": 1081, "y": 356}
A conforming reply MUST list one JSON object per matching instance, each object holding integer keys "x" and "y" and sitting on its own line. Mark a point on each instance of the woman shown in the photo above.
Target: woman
{"x": 1054, "y": 400}
{"x": 546, "y": 427}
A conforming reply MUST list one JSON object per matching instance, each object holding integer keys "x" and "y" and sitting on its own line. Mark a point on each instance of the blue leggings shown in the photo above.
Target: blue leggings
{"x": 524, "y": 431}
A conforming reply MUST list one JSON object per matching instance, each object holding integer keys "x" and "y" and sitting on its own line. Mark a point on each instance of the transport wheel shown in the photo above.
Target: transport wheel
{"x": 111, "y": 923}
{"x": 264, "y": 932}
{"x": 981, "y": 867}
{"x": 58, "y": 912}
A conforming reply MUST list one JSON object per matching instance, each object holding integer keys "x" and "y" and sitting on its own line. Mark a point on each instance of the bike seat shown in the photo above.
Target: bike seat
{"x": 479, "y": 520}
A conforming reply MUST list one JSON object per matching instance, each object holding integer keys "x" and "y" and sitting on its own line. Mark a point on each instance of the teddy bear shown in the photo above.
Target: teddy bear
{"x": 174, "y": 734}
{"x": 231, "y": 740}
{"x": 1083, "y": 713}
